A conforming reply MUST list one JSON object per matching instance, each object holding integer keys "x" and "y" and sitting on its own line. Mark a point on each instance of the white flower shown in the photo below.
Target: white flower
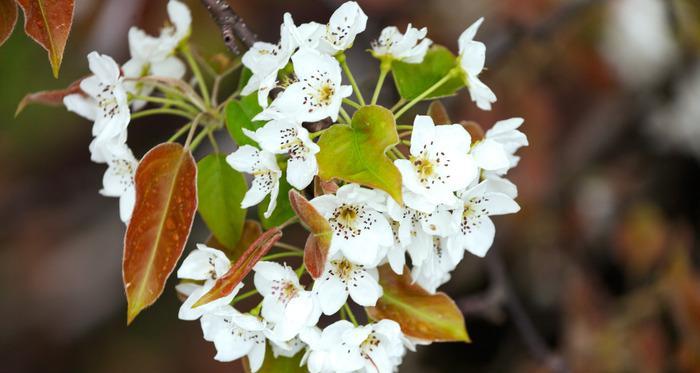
{"x": 285, "y": 304}
{"x": 154, "y": 55}
{"x": 265, "y": 60}
{"x": 287, "y": 349}
{"x": 476, "y": 230}
{"x": 434, "y": 270}
{"x": 342, "y": 347}
{"x": 118, "y": 180}
{"x": 285, "y": 137}
{"x": 472, "y": 56}
{"x": 505, "y": 134}
{"x": 360, "y": 231}
{"x": 316, "y": 95}
{"x": 266, "y": 174}
{"x": 345, "y": 23}
{"x": 105, "y": 103}
{"x": 342, "y": 277}
{"x": 306, "y": 35}
{"x": 438, "y": 166}
{"x": 319, "y": 354}
{"x": 409, "y": 47}
{"x": 236, "y": 335}
{"x": 202, "y": 264}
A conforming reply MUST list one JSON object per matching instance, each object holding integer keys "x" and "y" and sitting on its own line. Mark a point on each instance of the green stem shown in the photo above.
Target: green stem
{"x": 384, "y": 68}
{"x": 287, "y": 246}
{"x": 145, "y": 113}
{"x": 404, "y": 127}
{"x": 350, "y": 314}
{"x": 351, "y": 103}
{"x": 165, "y": 101}
{"x": 344, "y": 64}
{"x": 244, "y": 296}
{"x": 300, "y": 271}
{"x": 256, "y": 310}
{"x": 213, "y": 142}
{"x": 398, "y": 104}
{"x": 425, "y": 93}
{"x": 397, "y": 153}
{"x": 200, "y": 136}
{"x": 281, "y": 255}
{"x": 345, "y": 115}
{"x": 197, "y": 73}
{"x": 179, "y": 132}
{"x": 317, "y": 133}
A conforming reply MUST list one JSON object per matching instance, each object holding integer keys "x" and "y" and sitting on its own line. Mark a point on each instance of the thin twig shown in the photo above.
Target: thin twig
{"x": 230, "y": 24}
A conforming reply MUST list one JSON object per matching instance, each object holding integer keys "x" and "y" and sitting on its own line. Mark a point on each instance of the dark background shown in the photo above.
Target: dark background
{"x": 603, "y": 256}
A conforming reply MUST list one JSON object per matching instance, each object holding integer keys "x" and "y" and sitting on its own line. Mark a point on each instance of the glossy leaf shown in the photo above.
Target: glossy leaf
{"x": 8, "y": 19}
{"x": 282, "y": 212}
{"x": 166, "y": 201}
{"x": 319, "y": 241}
{"x": 221, "y": 189}
{"x": 356, "y": 153}
{"x": 438, "y": 113}
{"x": 279, "y": 364}
{"x": 424, "y": 316}
{"x": 51, "y": 98}
{"x": 225, "y": 284}
{"x": 239, "y": 115}
{"x": 413, "y": 79}
{"x": 48, "y": 22}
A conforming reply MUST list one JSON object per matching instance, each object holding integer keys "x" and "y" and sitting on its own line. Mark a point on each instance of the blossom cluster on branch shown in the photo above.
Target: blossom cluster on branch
{"x": 393, "y": 206}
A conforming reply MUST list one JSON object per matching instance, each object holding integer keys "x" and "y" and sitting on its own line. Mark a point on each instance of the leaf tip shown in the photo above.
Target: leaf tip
{"x": 131, "y": 312}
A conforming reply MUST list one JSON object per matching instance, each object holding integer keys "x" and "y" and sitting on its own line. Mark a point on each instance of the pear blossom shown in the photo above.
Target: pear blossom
{"x": 105, "y": 102}
{"x": 377, "y": 347}
{"x": 472, "y": 57}
{"x": 342, "y": 278}
{"x": 506, "y": 134}
{"x": 360, "y": 231}
{"x": 318, "y": 93}
{"x": 342, "y": 28}
{"x": 434, "y": 270}
{"x": 266, "y": 174}
{"x": 286, "y": 305}
{"x": 285, "y": 137}
{"x": 409, "y": 47}
{"x": 438, "y": 166}
{"x": 306, "y": 35}
{"x": 287, "y": 349}
{"x": 265, "y": 60}
{"x": 236, "y": 335}
{"x": 118, "y": 180}
{"x": 203, "y": 264}
{"x": 476, "y": 230}
{"x": 154, "y": 55}
{"x": 319, "y": 355}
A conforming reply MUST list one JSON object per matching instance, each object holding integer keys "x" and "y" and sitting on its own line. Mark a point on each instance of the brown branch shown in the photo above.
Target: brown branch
{"x": 231, "y": 24}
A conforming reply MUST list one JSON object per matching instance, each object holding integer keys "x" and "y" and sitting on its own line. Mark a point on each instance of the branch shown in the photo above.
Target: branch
{"x": 501, "y": 293}
{"x": 230, "y": 24}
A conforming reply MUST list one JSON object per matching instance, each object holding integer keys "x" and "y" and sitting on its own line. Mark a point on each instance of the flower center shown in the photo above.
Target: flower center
{"x": 369, "y": 344}
{"x": 325, "y": 94}
{"x": 424, "y": 167}
{"x": 284, "y": 290}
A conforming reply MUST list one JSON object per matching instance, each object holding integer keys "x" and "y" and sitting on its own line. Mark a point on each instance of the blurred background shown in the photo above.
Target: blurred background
{"x": 597, "y": 273}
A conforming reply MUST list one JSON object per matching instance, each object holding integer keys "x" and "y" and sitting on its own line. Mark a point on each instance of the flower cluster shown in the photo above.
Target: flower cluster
{"x": 450, "y": 179}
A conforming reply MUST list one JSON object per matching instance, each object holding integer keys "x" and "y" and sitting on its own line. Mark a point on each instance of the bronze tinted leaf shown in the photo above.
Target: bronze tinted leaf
{"x": 318, "y": 243}
{"x": 48, "y": 22}
{"x": 51, "y": 98}
{"x": 425, "y": 316}
{"x": 166, "y": 201}
{"x": 8, "y": 19}
{"x": 438, "y": 113}
{"x": 225, "y": 284}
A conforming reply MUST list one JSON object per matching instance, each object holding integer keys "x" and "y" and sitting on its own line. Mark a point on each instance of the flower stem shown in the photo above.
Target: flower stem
{"x": 300, "y": 271}
{"x": 289, "y": 222}
{"x": 200, "y": 137}
{"x": 285, "y": 254}
{"x": 213, "y": 142}
{"x": 197, "y": 73}
{"x": 350, "y": 314}
{"x": 193, "y": 127}
{"x": 344, "y": 64}
{"x": 397, "y": 153}
{"x": 287, "y": 246}
{"x": 244, "y": 296}
{"x": 145, "y": 113}
{"x": 165, "y": 101}
{"x": 351, "y": 103}
{"x": 384, "y": 68}
{"x": 179, "y": 132}
{"x": 428, "y": 91}
{"x": 404, "y": 127}
{"x": 398, "y": 104}
{"x": 345, "y": 115}
{"x": 316, "y": 134}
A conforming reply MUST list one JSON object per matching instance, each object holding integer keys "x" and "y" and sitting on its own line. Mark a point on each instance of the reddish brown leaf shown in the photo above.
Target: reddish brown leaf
{"x": 425, "y": 316}
{"x": 48, "y": 22}
{"x": 166, "y": 201}
{"x": 474, "y": 129}
{"x": 8, "y": 18}
{"x": 438, "y": 113}
{"x": 226, "y": 283}
{"x": 319, "y": 241}
{"x": 324, "y": 187}
{"x": 252, "y": 230}
{"x": 51, "y": 98}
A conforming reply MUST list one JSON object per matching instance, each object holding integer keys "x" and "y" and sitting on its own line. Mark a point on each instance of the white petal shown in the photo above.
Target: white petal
{"x": 365, "y": 290}
{"x": 490, "y": 155}
{"x": 331, "y": 293}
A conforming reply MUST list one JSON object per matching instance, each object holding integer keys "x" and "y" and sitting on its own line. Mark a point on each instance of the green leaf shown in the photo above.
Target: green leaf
{"x": 283, "y": 211}
{"x": 424, "y": 316}
{"x": 278, "y": 364}
{"x": 356, "y": 153}
{"x": 245, "y": 76}
{"x": 221, "y": 190}
{"x": 239, "y": 115}
{"x": 413, "y": 79}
